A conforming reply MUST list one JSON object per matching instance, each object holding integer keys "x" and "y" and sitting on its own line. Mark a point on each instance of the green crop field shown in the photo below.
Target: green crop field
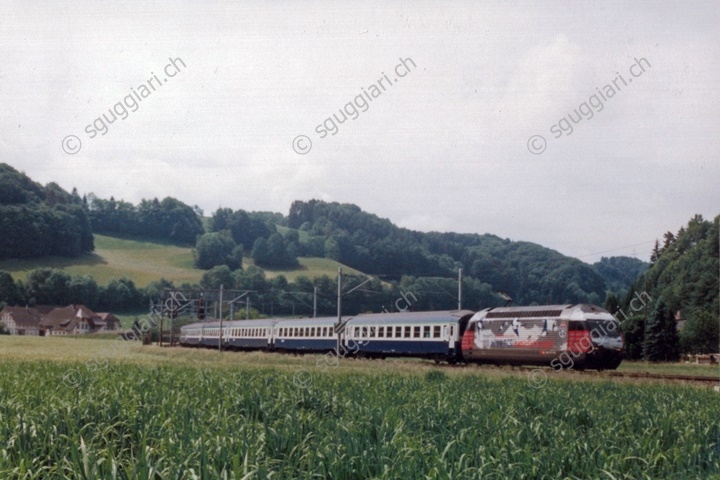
{"x": 145, "y": 261}
{"x": 80, "y": 408}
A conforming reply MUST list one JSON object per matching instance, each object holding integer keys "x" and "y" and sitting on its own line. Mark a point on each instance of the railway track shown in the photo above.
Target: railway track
{"x": 706, "y": 380}
{"x": 659, "y": 376}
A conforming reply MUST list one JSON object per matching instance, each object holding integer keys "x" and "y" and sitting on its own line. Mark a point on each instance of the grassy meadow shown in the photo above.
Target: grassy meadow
{"x": 147, "y": 261}
{"x": 93, "y": 408}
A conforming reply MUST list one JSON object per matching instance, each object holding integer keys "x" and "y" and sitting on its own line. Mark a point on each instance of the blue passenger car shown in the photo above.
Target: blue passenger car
{"x": 236, "y": 334}
{"x": 433, "y": 335}
{"x": 248, "y": 334}
{"x": 305, "y": 334}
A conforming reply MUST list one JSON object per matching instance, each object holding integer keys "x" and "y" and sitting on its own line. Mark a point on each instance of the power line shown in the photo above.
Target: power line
{"x": 616, "y": 249}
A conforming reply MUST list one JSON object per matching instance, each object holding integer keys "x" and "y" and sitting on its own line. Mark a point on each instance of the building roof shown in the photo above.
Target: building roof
{"x": 66, "y": 318}
{"x": 23, "y": 316}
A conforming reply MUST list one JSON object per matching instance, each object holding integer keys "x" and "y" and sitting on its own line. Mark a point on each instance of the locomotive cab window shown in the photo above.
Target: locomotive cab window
{"x": 604, "y": 328}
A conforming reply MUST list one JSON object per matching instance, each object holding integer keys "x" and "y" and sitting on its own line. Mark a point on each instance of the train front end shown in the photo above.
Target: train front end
{"x": 562, "y": 336}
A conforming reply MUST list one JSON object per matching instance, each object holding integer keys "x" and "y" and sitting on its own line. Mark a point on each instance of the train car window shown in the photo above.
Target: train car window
{"x": 406, "y": 332}
{"x": 390, "y": 332}
{"x": 381, "y": 332}
{"x": 312, "y": 332}
{"x": 416, "y": 332}
{"x": 372, "y": 332}
{"x": 436, "y": 331}
{"x": 426, "y": 332}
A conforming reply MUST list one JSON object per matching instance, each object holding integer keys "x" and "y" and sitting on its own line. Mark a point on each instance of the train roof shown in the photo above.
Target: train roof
{"x": 310, "y": 322}
{"x": 260, "y": 323}
{"x": 442, "y": 316}
{"x": 570, "y": 311}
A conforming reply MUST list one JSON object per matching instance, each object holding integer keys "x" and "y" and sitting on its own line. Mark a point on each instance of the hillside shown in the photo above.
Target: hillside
{"x": 158, "y": 236}
{"x": 145, "y": 262}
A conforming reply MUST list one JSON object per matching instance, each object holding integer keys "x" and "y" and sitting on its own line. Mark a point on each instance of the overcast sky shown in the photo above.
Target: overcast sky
{"x": 444, "y": 142}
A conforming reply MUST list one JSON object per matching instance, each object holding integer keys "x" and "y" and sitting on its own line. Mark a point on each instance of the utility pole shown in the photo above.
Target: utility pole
{"x": 645, "y": 327}
{"x": 339, "y": 308}
{"x": 460, "y": 289}
{"x": 161, "y": 322}
{"x": 221, "y": 320}
{"x": 314, "y": 302}
{"x": 247, "y": 307}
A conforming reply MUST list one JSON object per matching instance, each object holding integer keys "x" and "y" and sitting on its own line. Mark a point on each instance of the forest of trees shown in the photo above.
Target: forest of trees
{"x": 169, "y": 219}
{"x": 528, "y": 272}
{"x": 37, "y": 221}
{"x": 681, "y": 283}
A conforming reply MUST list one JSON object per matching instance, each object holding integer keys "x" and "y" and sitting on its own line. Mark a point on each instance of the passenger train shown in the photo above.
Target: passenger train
{"x": 562, "y": 336}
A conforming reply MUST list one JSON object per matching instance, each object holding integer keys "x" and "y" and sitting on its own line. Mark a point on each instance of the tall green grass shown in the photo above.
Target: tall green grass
{"x": 138, "y": 422}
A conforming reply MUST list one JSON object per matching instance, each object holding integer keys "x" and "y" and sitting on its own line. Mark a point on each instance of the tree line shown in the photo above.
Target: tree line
{"x": 37, "y": 221}
{"x": 681, "y": 284}
{"x": 168, "y": 219}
